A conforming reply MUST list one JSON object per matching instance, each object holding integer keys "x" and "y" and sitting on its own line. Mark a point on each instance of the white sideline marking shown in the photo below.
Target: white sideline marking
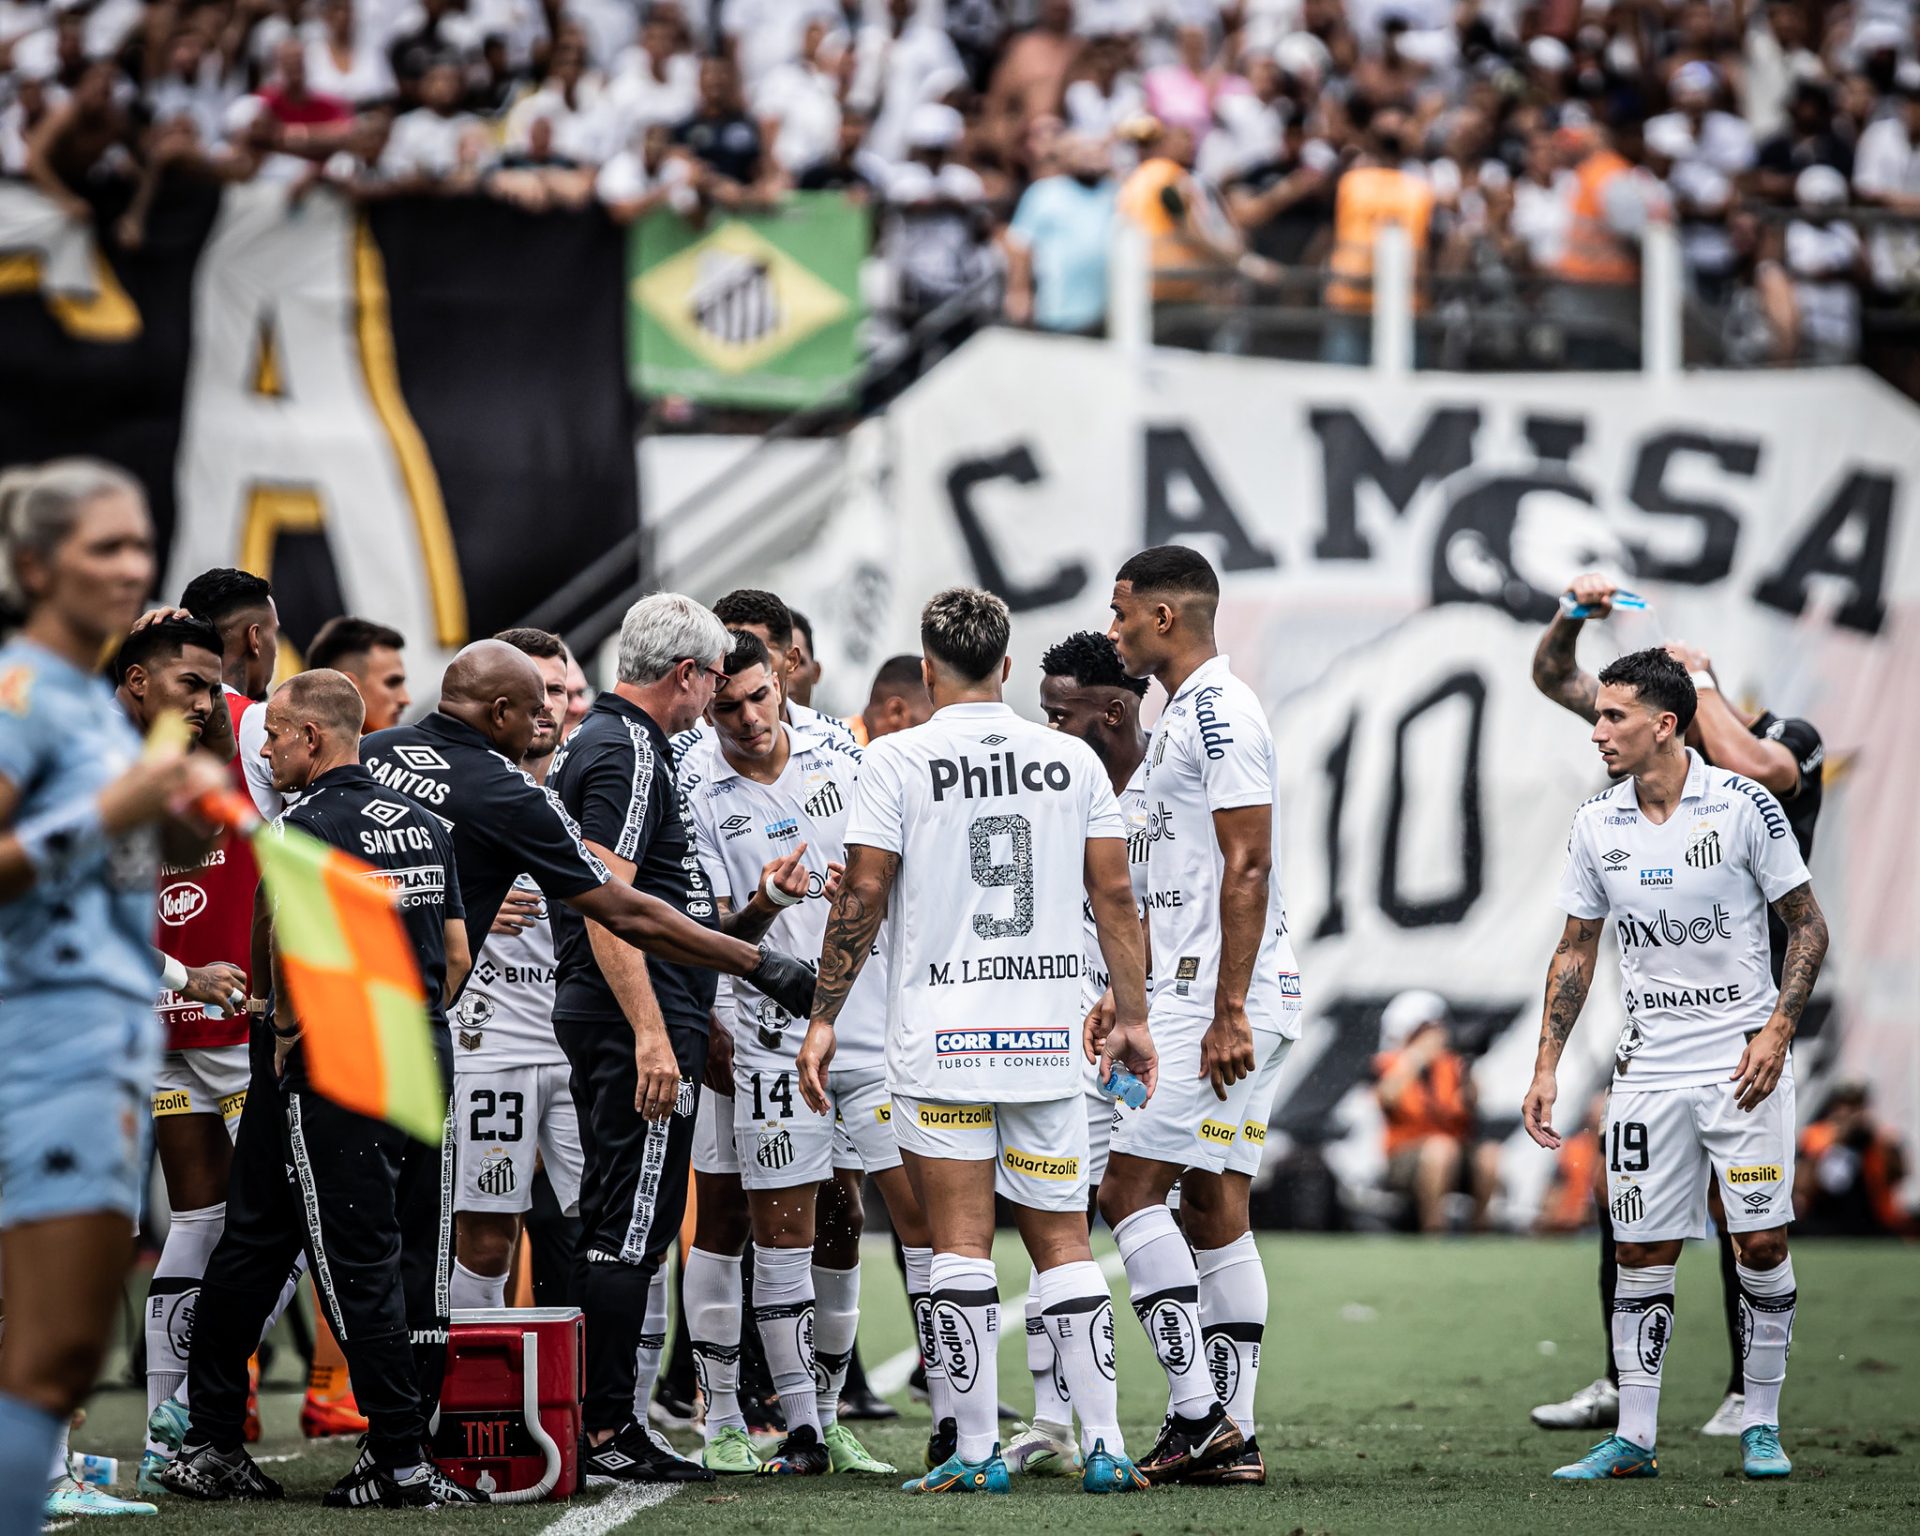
{"x": 615, "y": 1510}
{"x": 890, "y": 1375}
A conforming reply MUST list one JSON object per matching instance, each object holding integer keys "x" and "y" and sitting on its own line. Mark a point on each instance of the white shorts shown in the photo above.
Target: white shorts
{"x": 1250, "y": 1146}
{"x": 1039, "y": 1150}
{"x": 500, "y": 1118}
{"x": 781, "y": 1144}
{"x": 713, "y": 1149}
{"x": 1659, "y": 1144}
{"x": 863, "y": 1120}
{"x": 209, "y": 1081}
{"x": 1184, "y": 1123}
{"x": 1101, "y": 1113}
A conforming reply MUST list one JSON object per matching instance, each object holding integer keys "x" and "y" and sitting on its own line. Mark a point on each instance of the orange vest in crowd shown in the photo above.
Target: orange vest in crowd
{"x": 1594, "y": 253}
{"x": 1168, "y": 246}
{"x": 1434, "y": 1104}
{"x": 1369, "y": 197}
{"x": 1875, "y": 1171}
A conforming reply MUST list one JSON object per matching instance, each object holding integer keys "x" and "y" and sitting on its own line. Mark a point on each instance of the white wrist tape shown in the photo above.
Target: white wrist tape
{"x": 778, "y": 897}
{"x": 173, "y": 975}
{"x": 1703, "y": 679}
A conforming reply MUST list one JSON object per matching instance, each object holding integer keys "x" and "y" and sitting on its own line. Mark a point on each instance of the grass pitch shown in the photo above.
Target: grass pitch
{"x": 1393, "y": 1397}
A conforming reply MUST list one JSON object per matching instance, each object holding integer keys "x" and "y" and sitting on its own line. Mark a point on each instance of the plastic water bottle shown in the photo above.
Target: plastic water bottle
{"x": 1125, "y": 1087}
{"x": 94, "y": 1471}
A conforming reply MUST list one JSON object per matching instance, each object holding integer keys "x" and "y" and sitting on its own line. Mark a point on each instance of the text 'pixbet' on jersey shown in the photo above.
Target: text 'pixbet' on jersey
{"x": 1000, "y": 774}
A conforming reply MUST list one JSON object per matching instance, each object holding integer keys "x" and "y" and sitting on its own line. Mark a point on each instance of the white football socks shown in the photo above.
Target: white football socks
{"x": 172, "y": 1298}
{"x": 1233, "y": 1320}
{"x": 783, "y": 1310}
{"x": 1767, "y": 1302}
{"x": 467, "y": 1289}
{"x": 836, "y": 1322}
{"x": 1052, "y": 1407}
{"x": 919, "y": 1262}
{"x": 1165, "y": 1288}
{"x": 966, "y": 1336}
{"x": 711, "y": 1288}
{"x": 1642, "y": 1335}
{"x": 652, "y": 1344}
{"x": 1078, "y": 1310}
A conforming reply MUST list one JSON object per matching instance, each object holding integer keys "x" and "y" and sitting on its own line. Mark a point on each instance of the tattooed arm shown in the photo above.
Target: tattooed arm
{"x": 1568, "y": 978}
{"x": 1765, "y": 1057}
{"x": 851, "y": 927}
{"x": 1556, "y": 670}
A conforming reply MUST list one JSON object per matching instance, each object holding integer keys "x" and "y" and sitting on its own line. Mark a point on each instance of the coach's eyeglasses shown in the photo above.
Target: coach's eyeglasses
{"x": 718, "y": 674}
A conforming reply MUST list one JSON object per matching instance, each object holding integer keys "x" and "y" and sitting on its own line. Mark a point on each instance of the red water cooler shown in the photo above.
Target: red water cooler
{"x": 510, "y": 1405}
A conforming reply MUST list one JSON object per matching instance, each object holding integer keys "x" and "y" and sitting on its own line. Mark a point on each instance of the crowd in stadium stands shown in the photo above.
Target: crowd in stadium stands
{"x": 996, "y": 139}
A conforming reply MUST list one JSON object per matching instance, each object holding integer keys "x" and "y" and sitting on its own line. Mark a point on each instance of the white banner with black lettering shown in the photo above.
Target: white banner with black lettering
{"x": 1390, "y": 552}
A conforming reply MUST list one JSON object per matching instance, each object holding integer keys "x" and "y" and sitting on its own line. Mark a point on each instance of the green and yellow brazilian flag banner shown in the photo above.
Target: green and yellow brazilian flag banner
{"x": 757, "y": 309}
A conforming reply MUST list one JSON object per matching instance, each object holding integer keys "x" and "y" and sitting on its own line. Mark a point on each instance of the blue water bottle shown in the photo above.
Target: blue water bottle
{"x": 1125, "y": 1087}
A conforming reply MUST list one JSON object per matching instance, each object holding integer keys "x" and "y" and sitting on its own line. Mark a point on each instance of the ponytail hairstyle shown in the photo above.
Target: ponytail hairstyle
{"x": 38, "y": 509}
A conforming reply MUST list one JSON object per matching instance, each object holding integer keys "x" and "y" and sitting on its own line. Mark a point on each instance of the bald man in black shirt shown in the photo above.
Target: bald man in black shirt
{"x": 370, "y": 1204}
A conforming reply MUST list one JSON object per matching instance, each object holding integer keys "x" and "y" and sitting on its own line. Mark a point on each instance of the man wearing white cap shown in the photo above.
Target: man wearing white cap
{"x": 1426, "y": 1095}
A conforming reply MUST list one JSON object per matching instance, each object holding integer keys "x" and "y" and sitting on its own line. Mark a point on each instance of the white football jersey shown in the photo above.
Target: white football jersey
{"x": 504, "y": 1015}
{"x": 1689, "y": 900}
{"x": 739, "y": 826}
{"x": 990, "y": 815}
{"x": 1211, "y": 751}
{"x": 809, "y": 722}
{"x": 1133, "y": 811}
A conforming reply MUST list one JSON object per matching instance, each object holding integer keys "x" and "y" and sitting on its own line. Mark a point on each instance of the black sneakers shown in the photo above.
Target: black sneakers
{"x": 632, "y": 1457}
{"x": 800, "y": 1455}
{"x": 368, "y": 1486}
{"x": 1248, "y": 1467}
{"x": 1189, "y": 1446}
{"x": 201, "y": 1472}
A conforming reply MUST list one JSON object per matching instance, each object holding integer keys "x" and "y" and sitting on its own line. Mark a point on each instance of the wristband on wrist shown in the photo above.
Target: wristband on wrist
{"x": 1704, "y": 679}
{"x": 57, "y": 841}
{"x": 173, "y": 975}
{"x": 778, "y": 897}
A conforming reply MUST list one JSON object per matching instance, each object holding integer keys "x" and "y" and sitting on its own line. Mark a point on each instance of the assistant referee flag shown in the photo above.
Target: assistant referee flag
{"x": 352, "y": 974}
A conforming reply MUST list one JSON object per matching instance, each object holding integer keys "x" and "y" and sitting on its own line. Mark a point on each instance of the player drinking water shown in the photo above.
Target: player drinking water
{"x": 1686, "y": 859}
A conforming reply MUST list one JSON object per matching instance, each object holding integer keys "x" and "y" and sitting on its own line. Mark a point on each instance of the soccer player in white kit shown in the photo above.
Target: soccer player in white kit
{"x": 1226, "y": 1009}
{"x": 974, "y": 836}
{"x": 1686, "y": 859}
{"x": 510, "y": 1078}
{"x": 759, "y": 791}
{"x": 1084, "y": 692}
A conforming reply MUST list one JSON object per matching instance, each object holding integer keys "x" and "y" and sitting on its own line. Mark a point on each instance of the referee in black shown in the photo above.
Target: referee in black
{"x": 1785, "y": 755}
{"x": 367, "y": 1202}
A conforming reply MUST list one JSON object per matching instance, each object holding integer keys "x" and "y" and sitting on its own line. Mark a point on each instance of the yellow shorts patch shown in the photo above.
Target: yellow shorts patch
{"x": 1065, "y": 1170}
{"x": 173, "y": 1101}
{"x": 1214, "y": 1131}
{"x": 955, "y": 1117}
{"x": 883, "y": 1114}
{"x": 1254, "y": 1132}
{"x": 1766, "y": 1173}
{"x": 231, "y": 1104}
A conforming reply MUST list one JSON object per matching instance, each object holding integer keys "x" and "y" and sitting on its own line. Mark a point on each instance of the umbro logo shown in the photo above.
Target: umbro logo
{"x": 1613, "y": 858}
{"x": 421, "y": 759}
{"x": 733, "y": 826}
{"x": 991, "y": 741}
{"x": 1757, "y": 1198}
{"x": 385, "y": 812}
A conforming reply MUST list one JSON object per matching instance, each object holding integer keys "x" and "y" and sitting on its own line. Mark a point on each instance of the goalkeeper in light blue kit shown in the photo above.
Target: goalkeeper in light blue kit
{"x": 78, "y": 857}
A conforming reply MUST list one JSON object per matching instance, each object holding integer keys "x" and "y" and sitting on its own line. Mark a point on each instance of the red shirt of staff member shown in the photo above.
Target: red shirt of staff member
{"x": 1426, "y": 1095}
